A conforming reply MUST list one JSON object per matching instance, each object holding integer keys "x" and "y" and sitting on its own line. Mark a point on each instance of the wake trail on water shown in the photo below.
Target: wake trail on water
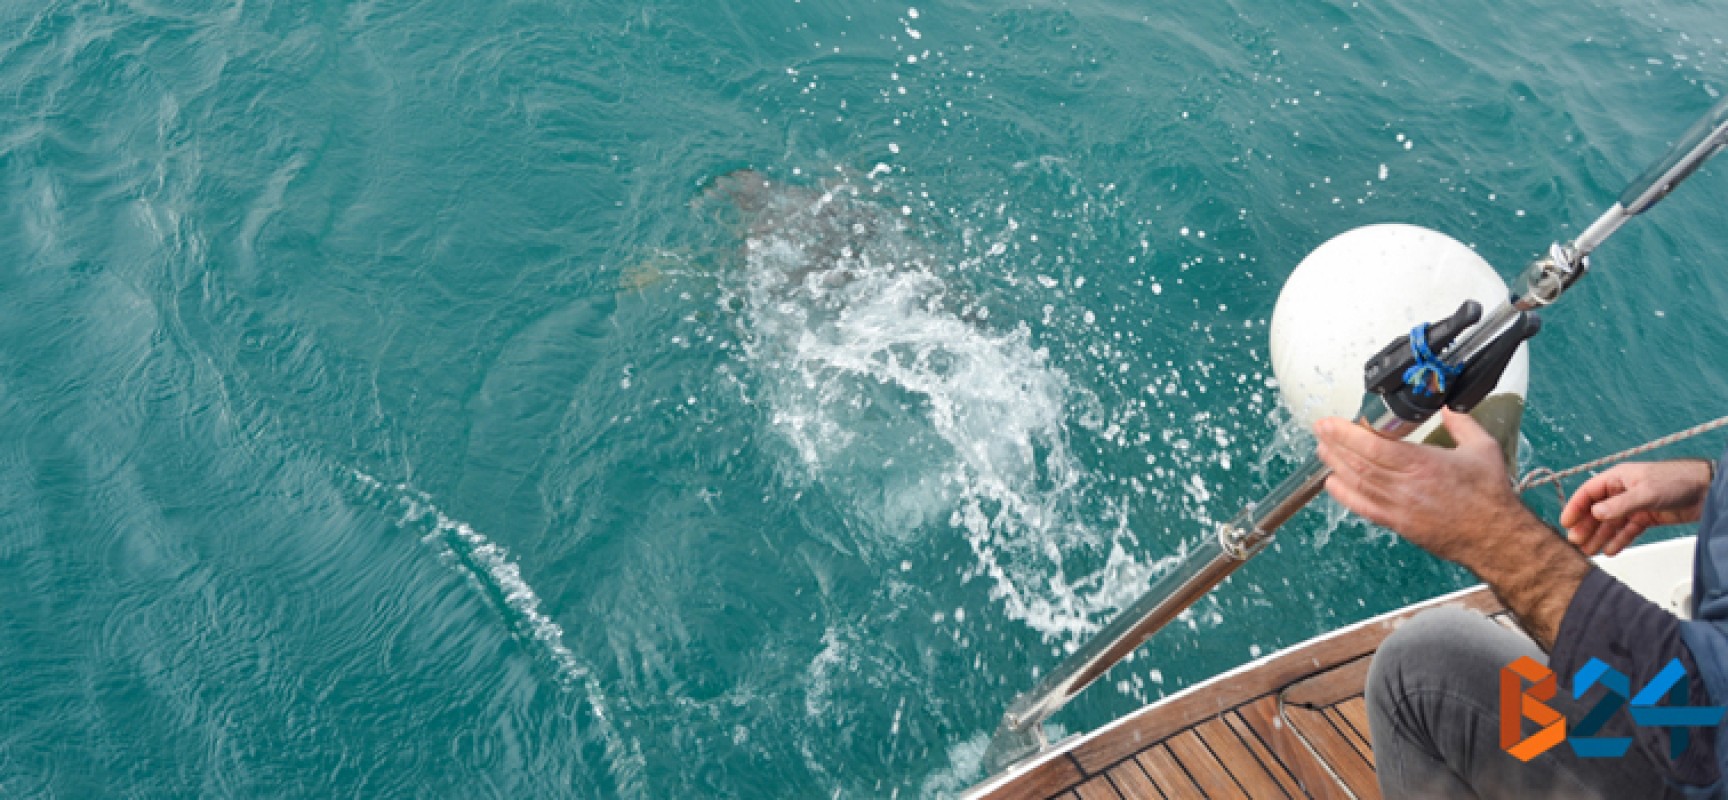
{"x": 896, "y": 392}
{"x": 488, "y": 568}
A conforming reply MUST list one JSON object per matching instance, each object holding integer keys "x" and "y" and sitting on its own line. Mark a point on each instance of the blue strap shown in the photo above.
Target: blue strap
{"x": 1428, "y": 370}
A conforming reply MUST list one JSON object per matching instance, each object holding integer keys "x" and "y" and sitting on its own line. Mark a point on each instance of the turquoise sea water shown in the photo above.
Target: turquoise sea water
{"x": 395, "y": 401}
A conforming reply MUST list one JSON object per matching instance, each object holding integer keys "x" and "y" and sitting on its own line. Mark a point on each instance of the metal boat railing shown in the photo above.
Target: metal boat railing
{"x": 1021, "y": 732}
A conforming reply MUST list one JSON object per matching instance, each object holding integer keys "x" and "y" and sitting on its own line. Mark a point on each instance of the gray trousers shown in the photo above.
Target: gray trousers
{"x": 1433, "y": 699}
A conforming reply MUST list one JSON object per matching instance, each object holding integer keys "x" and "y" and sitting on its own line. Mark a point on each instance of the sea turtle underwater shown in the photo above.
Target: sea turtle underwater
{"x": 811, "y": 237}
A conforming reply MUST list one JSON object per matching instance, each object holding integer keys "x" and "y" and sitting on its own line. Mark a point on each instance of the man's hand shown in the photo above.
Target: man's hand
{"x": 1613, "y": 508}
{"x": 1444, "y": 501}
{"x": 1459, "y": 505}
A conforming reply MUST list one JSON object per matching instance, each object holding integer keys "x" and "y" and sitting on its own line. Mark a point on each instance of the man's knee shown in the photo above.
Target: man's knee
{"x": 1444, "y": 647}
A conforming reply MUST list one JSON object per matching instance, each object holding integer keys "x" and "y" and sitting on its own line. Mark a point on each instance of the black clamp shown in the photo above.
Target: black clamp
{"x": 1415, "y": 378}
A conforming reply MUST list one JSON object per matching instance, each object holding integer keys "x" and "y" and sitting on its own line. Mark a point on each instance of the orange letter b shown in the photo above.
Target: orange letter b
{"x": 1516, "y": 704}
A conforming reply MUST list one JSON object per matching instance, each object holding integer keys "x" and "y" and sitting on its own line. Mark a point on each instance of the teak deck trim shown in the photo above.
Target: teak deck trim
{"x": 1297, "y": 714}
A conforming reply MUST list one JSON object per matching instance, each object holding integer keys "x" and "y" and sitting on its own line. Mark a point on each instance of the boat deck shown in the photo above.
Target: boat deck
{"x": 1291, "y": 726}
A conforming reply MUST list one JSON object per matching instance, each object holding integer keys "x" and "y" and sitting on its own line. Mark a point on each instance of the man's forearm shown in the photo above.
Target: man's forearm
{"x": 1533, "y": 571}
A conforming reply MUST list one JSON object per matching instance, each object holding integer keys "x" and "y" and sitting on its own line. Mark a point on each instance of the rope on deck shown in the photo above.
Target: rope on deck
{"x": 1542, "y": 475}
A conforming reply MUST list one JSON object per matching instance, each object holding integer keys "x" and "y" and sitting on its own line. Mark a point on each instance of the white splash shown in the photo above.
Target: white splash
{"x": 897, "y": 394}
{"x": 822, "y": 667}
{"x": 1291, "y": 445}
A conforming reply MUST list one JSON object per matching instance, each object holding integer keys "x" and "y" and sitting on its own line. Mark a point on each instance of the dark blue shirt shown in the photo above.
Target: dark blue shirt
{"x": 1609, "y": 621}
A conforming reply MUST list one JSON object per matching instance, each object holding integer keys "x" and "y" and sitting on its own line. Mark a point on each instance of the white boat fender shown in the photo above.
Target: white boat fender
{"x": 1368, "y": 286}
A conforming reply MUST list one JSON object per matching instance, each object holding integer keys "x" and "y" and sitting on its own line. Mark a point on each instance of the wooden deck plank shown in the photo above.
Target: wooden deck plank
{"x": 1099, "y": 788}
{"x": 1335, "y": 749}
{"x": 1226, "y": 738}
{"x": 1262, "y": 718}
{"x": 1251, "y": 773}
{"x": 1252, "y": 743}
{"x": 1355, "y": 710}
{"x": 1356, "y": 739}
{"x": 1204, "y": 767}
{"x": 1167, "y": 773}
{"x": 1156, "y": 722}
{"x": 1331, "y": 686}
{"x": 1132, "y": 781}
{"x": 1152, "y": 725}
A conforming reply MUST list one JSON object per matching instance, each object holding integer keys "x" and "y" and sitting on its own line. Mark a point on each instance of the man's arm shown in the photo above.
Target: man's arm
{"x": 1459, "y": 505}
{"x": 1534, "y": 572}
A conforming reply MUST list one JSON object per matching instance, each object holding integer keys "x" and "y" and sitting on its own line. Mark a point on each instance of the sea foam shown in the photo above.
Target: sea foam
{"x": 899, "y": 394}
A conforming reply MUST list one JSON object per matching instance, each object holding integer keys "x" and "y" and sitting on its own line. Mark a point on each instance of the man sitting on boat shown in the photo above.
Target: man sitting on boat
{"x": 1434, "y": 687}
